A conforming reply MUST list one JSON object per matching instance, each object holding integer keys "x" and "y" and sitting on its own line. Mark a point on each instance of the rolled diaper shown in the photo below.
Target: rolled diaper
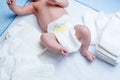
{"x": 64, "y": 31}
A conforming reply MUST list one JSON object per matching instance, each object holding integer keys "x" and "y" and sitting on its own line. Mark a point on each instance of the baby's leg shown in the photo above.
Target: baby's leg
{"x": 83, "y": 34}
{"x": 49, "y": 41}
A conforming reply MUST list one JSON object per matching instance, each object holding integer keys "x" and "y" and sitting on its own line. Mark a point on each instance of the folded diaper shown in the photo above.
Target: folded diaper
{"x": 111, "y": 37}
{"x": 64, "y": 31}
{"x": 106, "y": 56}
{"x": 101, "y": 22}
{"x": 108, "y": 48}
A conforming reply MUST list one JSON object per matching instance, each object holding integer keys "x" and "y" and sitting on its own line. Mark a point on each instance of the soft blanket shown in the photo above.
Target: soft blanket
{"x": 19, "y": 62}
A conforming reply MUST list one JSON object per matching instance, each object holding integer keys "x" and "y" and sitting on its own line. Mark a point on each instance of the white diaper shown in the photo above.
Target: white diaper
{"x": 65, "y": 33}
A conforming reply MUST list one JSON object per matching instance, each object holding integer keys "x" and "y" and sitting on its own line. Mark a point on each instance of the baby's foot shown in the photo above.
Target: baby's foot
{"x": 88, "y": 55}
{"x": 64, "y": 52}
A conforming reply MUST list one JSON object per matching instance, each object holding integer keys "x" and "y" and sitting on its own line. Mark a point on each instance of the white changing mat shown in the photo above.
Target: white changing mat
{"x": 19, "y": 62}
{"x": 24, "y": 27}
{"x": 75, "y": 66}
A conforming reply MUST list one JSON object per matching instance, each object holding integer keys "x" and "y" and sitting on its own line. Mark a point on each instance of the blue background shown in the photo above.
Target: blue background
{"x": 107, "y": 6}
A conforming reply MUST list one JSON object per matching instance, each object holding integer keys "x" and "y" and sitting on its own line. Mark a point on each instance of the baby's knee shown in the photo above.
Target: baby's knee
{"x": 47, "y": 36}
{"x": 85, "y": 30}
{"x": 82, "y": 29}
{"x": 43, "y": 37}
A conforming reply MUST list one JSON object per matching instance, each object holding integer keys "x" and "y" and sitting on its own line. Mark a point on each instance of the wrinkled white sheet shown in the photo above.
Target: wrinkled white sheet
{"x": 31, "y": 36}
{"x": 19, "y": 62}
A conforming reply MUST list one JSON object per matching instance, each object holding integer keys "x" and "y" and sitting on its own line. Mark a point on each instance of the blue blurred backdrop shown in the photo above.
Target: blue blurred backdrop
{"x": 107, "y": 6}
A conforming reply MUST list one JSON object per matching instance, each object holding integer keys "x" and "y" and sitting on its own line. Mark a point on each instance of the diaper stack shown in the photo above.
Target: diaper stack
{"x": 110, "y": 57}
{"x": 105, "y": 32}
{"x": 108, "y": 47}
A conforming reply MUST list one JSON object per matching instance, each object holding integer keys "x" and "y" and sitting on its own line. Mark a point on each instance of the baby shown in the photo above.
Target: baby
{"x": 52, "y": 17}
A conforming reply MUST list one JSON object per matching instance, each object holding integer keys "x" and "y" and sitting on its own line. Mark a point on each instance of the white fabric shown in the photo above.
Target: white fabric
{"x": 2, "y": 38}
{"x": 19, "y": 62}
{"x": 111, "y": 36}
{"x": 106, "y": 56}
{"x": 65, "y": 33}
{"x": 27, "y": 32}
{"x": 108, "y": 47}
{"x": 101, "y": 22}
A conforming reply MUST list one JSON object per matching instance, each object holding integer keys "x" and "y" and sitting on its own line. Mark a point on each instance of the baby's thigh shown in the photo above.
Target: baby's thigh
{"x": 81, "y": 31}
{"x": 47, "y": 37}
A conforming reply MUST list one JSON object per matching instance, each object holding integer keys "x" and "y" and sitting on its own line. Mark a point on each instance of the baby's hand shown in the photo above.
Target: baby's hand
{"x": 11, "y": 2}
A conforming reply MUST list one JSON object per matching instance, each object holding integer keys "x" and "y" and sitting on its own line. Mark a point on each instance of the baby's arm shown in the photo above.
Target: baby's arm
{"x": 20, "y": 10}
{"x": 61, "y": 3}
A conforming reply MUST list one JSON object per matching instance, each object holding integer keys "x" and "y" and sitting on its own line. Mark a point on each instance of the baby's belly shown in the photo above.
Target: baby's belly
{"x": 47, "y": 16}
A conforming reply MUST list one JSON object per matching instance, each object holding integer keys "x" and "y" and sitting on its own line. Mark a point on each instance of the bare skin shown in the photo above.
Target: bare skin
{"x": 47, "y": 11}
